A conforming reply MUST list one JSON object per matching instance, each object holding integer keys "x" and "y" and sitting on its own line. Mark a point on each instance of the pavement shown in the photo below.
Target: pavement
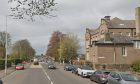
{"x": 10, "y": 70}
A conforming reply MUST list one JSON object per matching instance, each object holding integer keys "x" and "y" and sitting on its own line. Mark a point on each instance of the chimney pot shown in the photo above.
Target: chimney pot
{"x": 107, "y": 17}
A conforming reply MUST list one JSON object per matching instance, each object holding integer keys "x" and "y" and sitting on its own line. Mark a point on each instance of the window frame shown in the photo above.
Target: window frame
{"x": 124, "y": 51}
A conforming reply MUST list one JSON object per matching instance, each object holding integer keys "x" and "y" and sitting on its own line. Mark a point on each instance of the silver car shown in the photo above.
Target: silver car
{"x": 122, "y": 78}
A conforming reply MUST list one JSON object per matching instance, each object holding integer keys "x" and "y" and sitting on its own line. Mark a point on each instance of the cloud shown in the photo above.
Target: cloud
{"x": 72, "y": 16}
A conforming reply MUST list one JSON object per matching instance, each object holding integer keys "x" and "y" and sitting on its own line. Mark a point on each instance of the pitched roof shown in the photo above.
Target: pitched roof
{"x": 118, "y": 23}
{"x": 117, "y": 39}
{"x": 92, "y": 31}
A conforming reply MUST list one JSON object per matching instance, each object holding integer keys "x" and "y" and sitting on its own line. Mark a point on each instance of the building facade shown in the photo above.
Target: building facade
{"x": 114, "y": 41}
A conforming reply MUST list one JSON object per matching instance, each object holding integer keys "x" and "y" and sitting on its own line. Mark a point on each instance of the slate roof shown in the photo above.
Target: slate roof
{"x": 118, "y": 23}
{"x": 117, "y": 39}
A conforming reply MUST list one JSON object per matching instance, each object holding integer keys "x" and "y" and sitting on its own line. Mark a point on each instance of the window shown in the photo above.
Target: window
{"x": 124, "y": 51}
{"x": 87, "y": 56}
{"x": 112, "y": 33}
{"x": 112, "y": 75}
{"x": 128, "y": 33}
{"x": 134, "y": 33}
{"x": 137, "y": 44}
{"x": 98, "y": 72}
{"x": 120, "y": 33}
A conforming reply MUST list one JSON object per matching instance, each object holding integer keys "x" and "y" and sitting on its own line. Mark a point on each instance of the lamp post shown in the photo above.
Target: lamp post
{"x": 6, "y": 49}
{"x": 60, "y": 50}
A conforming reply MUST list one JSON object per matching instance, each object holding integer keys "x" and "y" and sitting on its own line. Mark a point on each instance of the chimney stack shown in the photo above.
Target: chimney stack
{"x": 137, "y": 16}
{"x": 107, "y": 17}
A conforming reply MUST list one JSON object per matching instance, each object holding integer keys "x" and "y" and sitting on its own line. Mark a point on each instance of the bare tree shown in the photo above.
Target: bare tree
{"x": 54, "y": 45}
{"x": 31, "y": 8}
{"x": 3, "y": 43}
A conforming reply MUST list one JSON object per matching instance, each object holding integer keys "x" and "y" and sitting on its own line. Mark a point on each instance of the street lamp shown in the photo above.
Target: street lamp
{"x": 6, "y": 48}
{"x": 6, "y": 45}
{"x": 60, "y": 49}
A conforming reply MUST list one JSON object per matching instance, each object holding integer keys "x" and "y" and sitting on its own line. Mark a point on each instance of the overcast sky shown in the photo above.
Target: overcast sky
{"x": 72, "y": 16}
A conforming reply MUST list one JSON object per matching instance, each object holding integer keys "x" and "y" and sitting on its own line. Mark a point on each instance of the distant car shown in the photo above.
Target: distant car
{"x": 1, "y": 81}
{"x": 35, "y": 61}
{"x": 85, "y": 71}
{"x": 68, "y": 67}
{"x": 100, "y": 76}
{"x": 51, "y": 66}
{"x": 75, "y": 69}
{"x": 24, "y": 62}
{"x": 20, "y": 67}
{"x": 122, "y": 78}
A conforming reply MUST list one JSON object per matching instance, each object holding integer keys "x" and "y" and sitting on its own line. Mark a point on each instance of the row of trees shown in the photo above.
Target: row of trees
{"x": 63, "y": 47}
{"x": 21, "y": 49}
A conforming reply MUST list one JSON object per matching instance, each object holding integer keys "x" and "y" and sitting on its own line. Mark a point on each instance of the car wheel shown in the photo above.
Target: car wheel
{"x": 91, "y": 79}
{"x": 78, "y": 74}
{"x": 107, "y": 82}
{"x": 82, "y": 75}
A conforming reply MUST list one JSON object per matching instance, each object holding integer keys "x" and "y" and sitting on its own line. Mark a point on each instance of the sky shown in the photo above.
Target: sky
{"x": 73, "y": 16}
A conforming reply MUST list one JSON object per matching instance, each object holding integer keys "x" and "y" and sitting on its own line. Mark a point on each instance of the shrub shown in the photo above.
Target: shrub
{"x": 2, "y": 63}
{"x": 89, "y": 63}
{"x": 136, "y": 66}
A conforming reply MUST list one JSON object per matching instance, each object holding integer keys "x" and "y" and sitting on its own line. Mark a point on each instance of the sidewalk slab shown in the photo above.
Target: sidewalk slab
{"x": 9, "y": 71}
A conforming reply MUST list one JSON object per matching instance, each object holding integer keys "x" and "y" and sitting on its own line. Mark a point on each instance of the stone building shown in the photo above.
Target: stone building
{"x": 115, "y": 41}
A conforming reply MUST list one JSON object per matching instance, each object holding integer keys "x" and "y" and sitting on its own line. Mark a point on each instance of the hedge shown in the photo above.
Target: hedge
{"x": 2, "y": 63}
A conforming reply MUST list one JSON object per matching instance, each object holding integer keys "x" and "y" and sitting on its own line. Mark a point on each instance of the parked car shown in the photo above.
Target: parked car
{"x": 85, "y": 71}
{"x": 100, "y": 76}
{"x": 20, "y": 67}
{"x": 51, "y": 65}
{"x": 122, "y": 78}
{"x": 68, "y": 67}
{"x": 1, "y": 81}
{"x": 75, "y": 69}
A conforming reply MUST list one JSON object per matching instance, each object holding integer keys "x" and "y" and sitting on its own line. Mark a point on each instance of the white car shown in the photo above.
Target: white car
{"x": 85, "y": 71}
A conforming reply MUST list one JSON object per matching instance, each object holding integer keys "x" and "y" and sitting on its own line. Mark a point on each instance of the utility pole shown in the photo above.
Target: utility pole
{"x": 60, "y": 48}
{"x": 114, "y": 53}
{"x": 6, "y": 49}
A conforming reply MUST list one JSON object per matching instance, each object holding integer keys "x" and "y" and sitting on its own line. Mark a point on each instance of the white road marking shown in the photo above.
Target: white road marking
{"x": 51, "y": 82}
{"x": 47, "y": 75}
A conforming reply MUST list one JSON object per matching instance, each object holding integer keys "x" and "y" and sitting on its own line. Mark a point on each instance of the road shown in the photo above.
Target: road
{"x": 42, "y": 75}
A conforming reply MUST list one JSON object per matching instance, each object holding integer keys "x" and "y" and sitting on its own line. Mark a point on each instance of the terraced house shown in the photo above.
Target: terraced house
{"x": 115, "y": 41}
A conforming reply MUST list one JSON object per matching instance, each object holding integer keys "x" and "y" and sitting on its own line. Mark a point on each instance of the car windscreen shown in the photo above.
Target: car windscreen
{"x": 129, "y": 77}
{"x": 106, "y": 73}
{"x": 87, "y": 68}
{"x": 20, "y": 65}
